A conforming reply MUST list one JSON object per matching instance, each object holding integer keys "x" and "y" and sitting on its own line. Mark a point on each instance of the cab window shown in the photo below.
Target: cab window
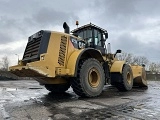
{"x": 80, "y": 34}
{"x": 86, "y": 35}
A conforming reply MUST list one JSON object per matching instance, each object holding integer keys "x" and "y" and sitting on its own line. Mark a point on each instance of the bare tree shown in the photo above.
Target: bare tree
{"x": 154, "y": 67}
{"x": 125, "y": 56}
{"x": 5, "y": 63}
{"x": 133, "y": 60}
{"x": 140, "y": 60}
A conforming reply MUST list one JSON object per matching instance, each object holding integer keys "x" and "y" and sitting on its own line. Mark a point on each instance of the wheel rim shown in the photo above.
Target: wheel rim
{"x": 94, "y": 77}
{"x": 129, "y": 78}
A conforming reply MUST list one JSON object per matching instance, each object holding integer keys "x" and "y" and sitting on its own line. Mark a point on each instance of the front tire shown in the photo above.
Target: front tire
{"x": 90, "y": 78}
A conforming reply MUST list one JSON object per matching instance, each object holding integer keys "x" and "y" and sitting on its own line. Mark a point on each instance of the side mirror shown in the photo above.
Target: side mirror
{"x": 143, "y": 65}
{"x": 118, "y": 51}
{"x": 106, "y": 35}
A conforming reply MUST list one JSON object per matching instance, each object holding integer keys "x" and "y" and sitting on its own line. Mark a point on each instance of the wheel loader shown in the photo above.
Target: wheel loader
{"x": 79, "y": 59}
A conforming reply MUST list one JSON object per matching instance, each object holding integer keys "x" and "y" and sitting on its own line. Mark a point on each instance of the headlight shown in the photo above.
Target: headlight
{"x": 42, "y": 57}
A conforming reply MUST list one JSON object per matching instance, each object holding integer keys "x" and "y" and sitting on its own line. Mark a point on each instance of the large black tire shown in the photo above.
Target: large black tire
{"x": 57, "y": 88}
{"x": 90, "y": 78}
{"x": 126, "y": 79}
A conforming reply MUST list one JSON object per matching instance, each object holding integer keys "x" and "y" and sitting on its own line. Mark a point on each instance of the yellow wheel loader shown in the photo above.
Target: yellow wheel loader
{"x": 81, "y": 60}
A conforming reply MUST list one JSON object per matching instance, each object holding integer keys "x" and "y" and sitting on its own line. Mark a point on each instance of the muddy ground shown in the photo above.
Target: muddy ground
{"x": 27, "y": 100}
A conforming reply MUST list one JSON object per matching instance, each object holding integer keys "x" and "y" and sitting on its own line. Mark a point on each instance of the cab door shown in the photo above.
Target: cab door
{"x": 98, "y": 41}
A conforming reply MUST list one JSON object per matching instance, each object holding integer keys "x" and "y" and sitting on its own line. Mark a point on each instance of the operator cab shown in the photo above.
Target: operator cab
{"x": 93, "y": 36}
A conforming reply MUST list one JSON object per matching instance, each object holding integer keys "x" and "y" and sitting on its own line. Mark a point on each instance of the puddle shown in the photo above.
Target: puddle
{"x": 102, "y": 115}
{"x": 8, "y": 89}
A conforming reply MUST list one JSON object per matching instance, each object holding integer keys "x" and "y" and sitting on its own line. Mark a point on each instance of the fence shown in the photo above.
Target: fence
{"x": 153, "y": 76}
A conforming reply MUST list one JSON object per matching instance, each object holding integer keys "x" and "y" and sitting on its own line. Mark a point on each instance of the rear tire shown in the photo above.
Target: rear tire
{"x": 90, "y": 78}
{"x": 57, "y": 88}
{"x": 126, "y": 79}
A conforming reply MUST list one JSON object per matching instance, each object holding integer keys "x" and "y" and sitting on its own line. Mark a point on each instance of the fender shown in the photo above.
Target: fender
{"x": 75, "y": 57}
{"x": 72, "y": 61}
{"x": 117, "y": 66}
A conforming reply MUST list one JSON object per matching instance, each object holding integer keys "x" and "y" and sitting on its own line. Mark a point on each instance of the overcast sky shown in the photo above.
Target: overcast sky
{"x": 133, "y": 25}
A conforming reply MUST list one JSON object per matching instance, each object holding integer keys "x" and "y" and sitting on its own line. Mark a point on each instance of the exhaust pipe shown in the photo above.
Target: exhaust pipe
{"x": 66, "y": 28}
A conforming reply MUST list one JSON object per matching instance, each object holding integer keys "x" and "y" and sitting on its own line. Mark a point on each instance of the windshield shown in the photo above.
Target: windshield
{"x": 91, "y": 36}
{"x": 85, "y": 34}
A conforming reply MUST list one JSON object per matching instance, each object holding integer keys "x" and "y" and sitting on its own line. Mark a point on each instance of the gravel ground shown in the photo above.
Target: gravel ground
{"x": 27, "y": 100}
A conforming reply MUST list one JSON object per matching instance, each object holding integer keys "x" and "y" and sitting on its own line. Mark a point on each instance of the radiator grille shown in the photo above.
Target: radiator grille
{"x": 32, "y": 48}
{"x": 62, "y": 50}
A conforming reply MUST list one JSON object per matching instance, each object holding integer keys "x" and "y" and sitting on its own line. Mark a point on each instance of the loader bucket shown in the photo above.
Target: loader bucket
{"x": 26, "y": 73}
{"x": 139, "y": 76}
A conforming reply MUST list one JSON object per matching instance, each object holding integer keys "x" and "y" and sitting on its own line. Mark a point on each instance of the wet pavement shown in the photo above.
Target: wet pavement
{"x": 27, "y": 100}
